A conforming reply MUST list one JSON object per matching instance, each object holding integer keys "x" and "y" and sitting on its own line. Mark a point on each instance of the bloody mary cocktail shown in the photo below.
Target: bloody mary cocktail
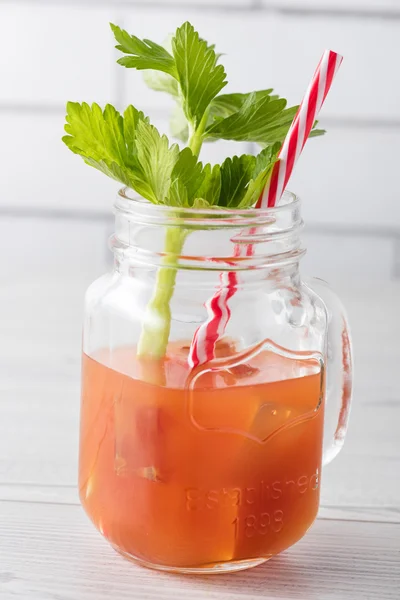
{"x": 226, "y": 470}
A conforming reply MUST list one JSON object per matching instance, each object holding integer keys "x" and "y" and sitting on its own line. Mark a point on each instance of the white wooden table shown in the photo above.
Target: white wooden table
{"x": 50, "y": 551}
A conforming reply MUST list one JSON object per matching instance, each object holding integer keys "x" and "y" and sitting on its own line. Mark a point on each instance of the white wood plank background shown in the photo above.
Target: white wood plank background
{"x": 49, "y": 550}
{"x": 380, "y": 6}
{"x": 51, "y": 62}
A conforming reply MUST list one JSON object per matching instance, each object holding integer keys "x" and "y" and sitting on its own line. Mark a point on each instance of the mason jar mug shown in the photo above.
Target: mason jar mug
{"x": 214, "y": 467}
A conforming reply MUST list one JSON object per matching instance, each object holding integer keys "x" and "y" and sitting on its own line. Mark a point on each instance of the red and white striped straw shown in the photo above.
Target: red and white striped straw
{"x": 301, "y": 127}
{"x": 204, "y": 341}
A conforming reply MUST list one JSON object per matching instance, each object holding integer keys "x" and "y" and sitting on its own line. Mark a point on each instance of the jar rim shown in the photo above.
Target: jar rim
{"x": 270, "y": 232}
{"x": 129, "y": 202}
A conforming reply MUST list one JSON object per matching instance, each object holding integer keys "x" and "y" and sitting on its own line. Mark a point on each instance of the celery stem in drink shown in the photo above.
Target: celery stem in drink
{"x": 157, "y": 322}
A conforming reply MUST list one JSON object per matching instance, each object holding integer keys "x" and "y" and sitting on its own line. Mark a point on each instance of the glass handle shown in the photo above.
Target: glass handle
{"x": 339, "y": 370}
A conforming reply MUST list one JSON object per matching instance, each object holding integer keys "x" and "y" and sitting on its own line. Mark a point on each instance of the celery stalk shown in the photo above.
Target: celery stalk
{"x": 157, "y": 322}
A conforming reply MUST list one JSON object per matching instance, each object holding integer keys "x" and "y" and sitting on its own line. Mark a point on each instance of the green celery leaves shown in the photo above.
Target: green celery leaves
{"x": 193, "y": 65}
{"x": 128, "y": 148}
{"x": 200, "y": 77}
{"x": 143, "y": 54}
{"x": 251, "y": 122}
{"x": 243, "y": 178}
{"x": 155, "y": 162}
